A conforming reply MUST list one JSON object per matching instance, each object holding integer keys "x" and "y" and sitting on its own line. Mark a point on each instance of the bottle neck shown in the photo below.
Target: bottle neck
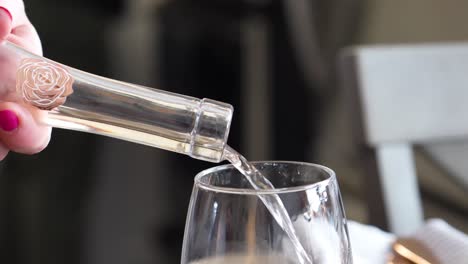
{"x": 82, "y": 101}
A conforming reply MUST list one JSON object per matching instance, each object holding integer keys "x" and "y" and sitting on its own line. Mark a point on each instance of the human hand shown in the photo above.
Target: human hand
{"x": 19, "y": 130}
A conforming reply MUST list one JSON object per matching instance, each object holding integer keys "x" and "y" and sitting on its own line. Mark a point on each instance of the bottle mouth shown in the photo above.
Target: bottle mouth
{"x": 211, "y": 130}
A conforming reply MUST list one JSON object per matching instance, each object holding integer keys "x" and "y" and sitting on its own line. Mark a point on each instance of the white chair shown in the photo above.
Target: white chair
{"x": 406, "y": 94}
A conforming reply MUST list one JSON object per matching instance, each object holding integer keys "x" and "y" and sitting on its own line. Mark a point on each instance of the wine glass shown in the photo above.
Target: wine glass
{"x": 228, "y": 223}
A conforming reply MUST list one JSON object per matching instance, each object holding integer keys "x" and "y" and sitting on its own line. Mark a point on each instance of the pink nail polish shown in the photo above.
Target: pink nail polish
{"x": 8, "y": 120}
{"x": 8, "y": 12}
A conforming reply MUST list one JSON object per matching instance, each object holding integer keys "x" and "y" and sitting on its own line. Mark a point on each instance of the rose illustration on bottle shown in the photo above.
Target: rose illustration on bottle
{"x": 43, "y": 84}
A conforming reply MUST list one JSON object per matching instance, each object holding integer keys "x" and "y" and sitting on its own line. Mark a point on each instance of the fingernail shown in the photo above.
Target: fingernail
{"x": 8, "y": 120}
{"x": 8, "y": 12}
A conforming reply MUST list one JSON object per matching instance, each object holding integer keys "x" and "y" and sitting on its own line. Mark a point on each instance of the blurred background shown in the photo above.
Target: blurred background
{"x": 95, "y": 200}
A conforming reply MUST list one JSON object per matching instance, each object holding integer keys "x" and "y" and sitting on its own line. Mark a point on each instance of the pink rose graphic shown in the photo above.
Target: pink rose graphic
{"x": 43, "y": 84}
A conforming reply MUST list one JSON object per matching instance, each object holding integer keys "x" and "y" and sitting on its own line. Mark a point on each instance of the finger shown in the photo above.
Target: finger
{"x": 5, "y": 23}
{"x": 3, "y": 151}
{"x": 14, "y": 20}
{"x": 26, "y": 36}
{"x": 16, "y": 10}
{"x": 19, "y": 130}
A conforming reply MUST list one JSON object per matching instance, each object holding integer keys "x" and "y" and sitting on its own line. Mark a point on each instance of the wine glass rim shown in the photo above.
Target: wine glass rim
{"x": 244, "y": 191}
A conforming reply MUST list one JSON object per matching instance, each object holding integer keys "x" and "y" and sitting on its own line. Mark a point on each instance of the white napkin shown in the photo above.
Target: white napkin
{"x": 372, "y": 245}
{"x": 446, "y": 243}
{"x": 369, "y": 244}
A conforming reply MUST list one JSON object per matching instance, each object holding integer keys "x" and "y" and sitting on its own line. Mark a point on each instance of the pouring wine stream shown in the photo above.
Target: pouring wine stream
{"x": 272, "y": 201}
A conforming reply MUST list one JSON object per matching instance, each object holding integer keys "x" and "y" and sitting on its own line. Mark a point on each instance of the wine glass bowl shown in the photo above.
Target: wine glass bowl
{"x": 228, "y": 223}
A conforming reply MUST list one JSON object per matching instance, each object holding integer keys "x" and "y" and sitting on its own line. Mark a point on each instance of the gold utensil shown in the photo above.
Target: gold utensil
{"x": 411, "y": 251}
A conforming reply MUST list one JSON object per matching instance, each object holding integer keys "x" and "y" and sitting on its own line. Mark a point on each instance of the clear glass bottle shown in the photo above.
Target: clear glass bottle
{"x": 82, "y": 101}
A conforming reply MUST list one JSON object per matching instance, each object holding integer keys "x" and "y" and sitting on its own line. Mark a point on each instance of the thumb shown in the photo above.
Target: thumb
{"x": 19, "y": 130}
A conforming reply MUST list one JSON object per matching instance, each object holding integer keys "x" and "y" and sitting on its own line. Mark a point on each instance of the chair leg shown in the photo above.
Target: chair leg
{"x": 399, "y": 187}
